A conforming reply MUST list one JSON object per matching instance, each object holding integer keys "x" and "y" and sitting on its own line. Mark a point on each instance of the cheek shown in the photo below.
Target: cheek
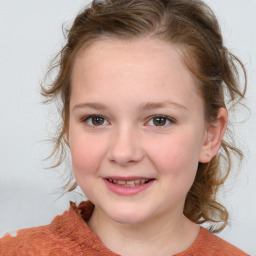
{"x": 82, "y": 158}
{"x": 176, "y": 155}
{"x": 86, "y": 153}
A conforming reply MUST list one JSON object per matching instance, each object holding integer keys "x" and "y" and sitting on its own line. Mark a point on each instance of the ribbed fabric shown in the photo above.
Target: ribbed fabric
{"x": 68, "y": 234}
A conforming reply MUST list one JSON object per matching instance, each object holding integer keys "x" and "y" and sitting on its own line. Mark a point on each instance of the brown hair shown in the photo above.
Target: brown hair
{"x": 189, "y": 24}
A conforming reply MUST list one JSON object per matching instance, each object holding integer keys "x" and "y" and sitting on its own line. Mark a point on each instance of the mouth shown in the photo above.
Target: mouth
{"x": 128, "y": 186}
{"x": 129, "y": 183}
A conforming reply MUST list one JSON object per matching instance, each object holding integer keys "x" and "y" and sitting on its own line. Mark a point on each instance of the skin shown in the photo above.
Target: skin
{"x": 128, "y": 83}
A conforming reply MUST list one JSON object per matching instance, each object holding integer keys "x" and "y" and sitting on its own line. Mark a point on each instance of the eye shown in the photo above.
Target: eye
{"x": 95, "y": 120}
{"x": 160, "y": 121}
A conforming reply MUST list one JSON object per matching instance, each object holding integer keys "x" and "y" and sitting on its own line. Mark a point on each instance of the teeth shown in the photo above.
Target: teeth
{"x": 121, "y": 182}
{"x": 129, "y": 183}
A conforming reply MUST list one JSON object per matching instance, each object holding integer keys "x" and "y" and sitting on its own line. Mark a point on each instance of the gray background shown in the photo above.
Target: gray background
{"x": 30, "y": 34}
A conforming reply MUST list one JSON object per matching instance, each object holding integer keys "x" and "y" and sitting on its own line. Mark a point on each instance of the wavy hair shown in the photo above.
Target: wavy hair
{"x": 193, "y": 27}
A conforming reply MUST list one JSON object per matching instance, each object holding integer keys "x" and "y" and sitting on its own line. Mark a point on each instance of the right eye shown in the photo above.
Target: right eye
{"x": 95, "y": 120}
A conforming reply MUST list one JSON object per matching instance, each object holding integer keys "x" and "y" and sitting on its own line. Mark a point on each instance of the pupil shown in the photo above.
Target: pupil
{"x": 97, "y": 120}
{"x": 158, "y": 121}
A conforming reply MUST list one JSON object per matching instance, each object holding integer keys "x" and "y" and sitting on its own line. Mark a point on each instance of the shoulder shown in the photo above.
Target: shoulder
{"x": 208, "y": 244}
{"x": 53, "y": 239}
{"x": 68, "y": 234}
{"x": 42, "y": 240}
{"x": 26, "y": 241}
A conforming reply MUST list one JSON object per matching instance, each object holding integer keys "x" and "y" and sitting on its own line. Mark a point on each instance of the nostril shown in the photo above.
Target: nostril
{"x": 125, "y": 156}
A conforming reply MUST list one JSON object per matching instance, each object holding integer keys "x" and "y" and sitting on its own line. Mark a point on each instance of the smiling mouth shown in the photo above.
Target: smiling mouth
{"x": 129, "y": 183}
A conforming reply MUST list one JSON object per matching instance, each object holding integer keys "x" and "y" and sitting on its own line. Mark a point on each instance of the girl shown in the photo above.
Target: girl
{"x": 144, "y": 113}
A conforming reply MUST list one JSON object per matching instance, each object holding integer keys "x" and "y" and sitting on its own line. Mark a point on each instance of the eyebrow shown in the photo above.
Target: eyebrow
{"x": 142, "y": 107}
{"x": 155, "y": 105}
{"x": 96, "y": 106}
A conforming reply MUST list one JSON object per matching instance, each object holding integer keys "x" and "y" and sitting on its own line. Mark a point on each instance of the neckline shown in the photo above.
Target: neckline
{"x": 73, "y": 224}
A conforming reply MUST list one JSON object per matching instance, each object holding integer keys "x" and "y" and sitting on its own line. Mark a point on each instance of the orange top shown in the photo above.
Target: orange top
{"x": 68, "y": 234}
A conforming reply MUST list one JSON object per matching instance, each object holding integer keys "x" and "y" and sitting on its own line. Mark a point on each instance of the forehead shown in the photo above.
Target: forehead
{"x": 120, "y": 66}
{"x": 151, "y": 50}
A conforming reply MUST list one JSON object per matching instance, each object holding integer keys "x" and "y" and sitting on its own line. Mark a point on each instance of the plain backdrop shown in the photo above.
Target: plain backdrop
{"x": 30, "y": 34}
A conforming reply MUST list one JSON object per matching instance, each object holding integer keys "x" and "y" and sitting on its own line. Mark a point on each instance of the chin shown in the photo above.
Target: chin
{"x": 129, "y": 217}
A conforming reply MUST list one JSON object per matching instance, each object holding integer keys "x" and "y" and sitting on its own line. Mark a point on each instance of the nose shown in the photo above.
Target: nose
{"x": 125, "y": 147}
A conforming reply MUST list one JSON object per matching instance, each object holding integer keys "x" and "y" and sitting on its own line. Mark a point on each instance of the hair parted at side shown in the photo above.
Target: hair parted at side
{"x": 188, "y": 24}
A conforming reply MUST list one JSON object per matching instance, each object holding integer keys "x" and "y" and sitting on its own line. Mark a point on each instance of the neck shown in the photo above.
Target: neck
{"x": 165, "y": 235}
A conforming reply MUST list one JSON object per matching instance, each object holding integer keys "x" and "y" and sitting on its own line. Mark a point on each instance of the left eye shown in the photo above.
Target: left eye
{"x": 95, "y": 120}
{"x": 160, "y": 121}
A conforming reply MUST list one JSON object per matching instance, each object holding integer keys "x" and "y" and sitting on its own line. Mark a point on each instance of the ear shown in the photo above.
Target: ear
{"x": 213, "y": 136}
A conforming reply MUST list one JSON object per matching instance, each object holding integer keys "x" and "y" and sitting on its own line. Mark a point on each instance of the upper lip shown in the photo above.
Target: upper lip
{"x": 127, "y": 178}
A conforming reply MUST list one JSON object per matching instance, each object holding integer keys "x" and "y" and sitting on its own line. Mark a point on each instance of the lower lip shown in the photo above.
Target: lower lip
{"x": 127, "y": 191}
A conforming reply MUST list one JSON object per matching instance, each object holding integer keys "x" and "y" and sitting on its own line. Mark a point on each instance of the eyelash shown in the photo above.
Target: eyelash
{"x": 87, "y": 118}
{"x": 166, "y": 119}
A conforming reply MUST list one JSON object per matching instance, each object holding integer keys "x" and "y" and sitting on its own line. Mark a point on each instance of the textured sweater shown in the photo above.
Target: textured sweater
{"x": 68, "y": 234}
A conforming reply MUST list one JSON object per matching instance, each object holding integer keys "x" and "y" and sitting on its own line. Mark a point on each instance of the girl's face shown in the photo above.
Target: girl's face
{"x": 136, "y": 128}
